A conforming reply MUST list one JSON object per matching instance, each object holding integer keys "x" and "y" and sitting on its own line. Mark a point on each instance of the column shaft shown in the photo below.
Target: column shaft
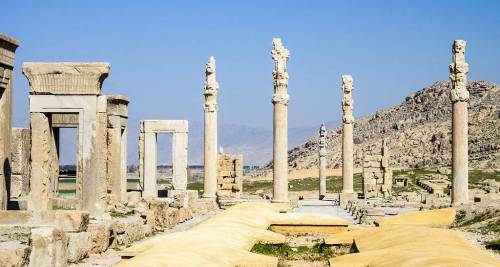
{"x": 280, "y": 153}
{"x": 460, "y": 170}
{"x": 347, "y": 159}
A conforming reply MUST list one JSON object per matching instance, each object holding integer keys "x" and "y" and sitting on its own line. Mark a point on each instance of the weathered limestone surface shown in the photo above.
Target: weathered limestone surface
{"x": 459, "y": 96}
{"x": 117, "y": 111}
{"x": 69, "y": 90}
{"x": 66, "y": 78}
{"x": 377, "y": 175}
{"x": 322, "y": 161}
{"x": 79, "y": 245}
{"x": 48, "y": 247}
{"x": 21, "y": 149}
{"x": 229, "y": 179}
{"x": 210, "y": 135}
{"x": 42, "y": 177}
{"x": 280, "y": 98}
{"x": 347, "y": 140}
{"x": 147, "y": 153}
{"x": 66, "y": 220}
{"x": 13, "y": 253}
{"x": 8, "y": 47}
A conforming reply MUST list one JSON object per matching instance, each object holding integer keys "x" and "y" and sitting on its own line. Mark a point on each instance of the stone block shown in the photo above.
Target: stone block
{"x": 79, "y": 245}
{"x": 19, "y": 186}
{"x": 179, "y": 197}
{"x": 13, "y": 253}
{"x": 128, "y": 230}
{"x": 21, "y": 149}
{"x": 48, "y": 247}
{"x": 100, "y": 236}
{"x": 173, "y": 216}
{"x": 67, "y": 220}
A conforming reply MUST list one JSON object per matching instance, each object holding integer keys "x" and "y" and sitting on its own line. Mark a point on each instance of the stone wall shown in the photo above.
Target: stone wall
{"x": 377, "y": 176}
{"x": 61, "y": 237}
{"x": 229, "y": 178}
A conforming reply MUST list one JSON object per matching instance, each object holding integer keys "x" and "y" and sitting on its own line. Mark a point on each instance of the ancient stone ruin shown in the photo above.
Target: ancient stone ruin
{"x": 229, "y": 178}
{"x": 8, "y": 47}
{"x": 147, "y": 153}
{"x": 280, "y": 99}
{"x": 377, "y": 175}
{"x": 41, "y": 226}
{"x": 322, "y": 161}
{"x": 210, "y": 147}
{"x": 459, "y": 96}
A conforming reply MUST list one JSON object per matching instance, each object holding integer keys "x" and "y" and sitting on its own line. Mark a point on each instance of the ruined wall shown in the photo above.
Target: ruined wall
{"x": 377, "y": 176}
{"x": 229, "y": 175}
{"x": 8, "y": 47}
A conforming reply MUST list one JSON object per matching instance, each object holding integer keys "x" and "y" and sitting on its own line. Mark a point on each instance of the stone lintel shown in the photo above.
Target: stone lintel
{"x": 8, "y": 46}
{"x": 66, "y": 78}
{"x": 164, "y": 126}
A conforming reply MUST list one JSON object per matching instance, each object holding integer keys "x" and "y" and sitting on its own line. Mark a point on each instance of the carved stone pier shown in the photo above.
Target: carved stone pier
{"x": 459, "y": 97}
{"x": 280, "y": 99}
{"x": 322, "y": 161}
{"x": 347, "y": 141}
{"x": 210, "y": 147}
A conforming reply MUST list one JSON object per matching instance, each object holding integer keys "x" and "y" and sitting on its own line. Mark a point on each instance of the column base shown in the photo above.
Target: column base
{"x": 344, "y": 198}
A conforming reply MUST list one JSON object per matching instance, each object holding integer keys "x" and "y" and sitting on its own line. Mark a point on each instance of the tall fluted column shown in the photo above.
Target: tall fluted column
{"x": 459, "y": 97}
{"x": 280, "y": 99}
{"x": 322, "y": 161}
{"x": 210, "y": 156}
{"x": 347, "y": 142}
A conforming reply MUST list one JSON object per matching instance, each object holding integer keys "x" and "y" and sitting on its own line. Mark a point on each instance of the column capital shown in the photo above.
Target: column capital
{"x": 211, "y": 85}
{"x": 458, "y": 73}
{"x": 347, "y": 101}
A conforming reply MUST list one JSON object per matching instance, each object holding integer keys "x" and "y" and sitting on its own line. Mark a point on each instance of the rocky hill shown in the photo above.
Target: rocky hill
{"x": 418, "y": 131}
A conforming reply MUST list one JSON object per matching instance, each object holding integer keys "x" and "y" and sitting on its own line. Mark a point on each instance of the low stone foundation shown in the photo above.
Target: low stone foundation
{"x": 62, "y": 237}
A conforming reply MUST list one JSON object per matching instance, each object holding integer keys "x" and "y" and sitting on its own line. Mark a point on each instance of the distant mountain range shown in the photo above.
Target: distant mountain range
{"x": 417, "y": 131}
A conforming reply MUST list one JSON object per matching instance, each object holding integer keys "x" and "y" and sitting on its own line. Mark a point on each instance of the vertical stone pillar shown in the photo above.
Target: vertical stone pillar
{"x": 347, "y": 141}
{"x": 459, "y": 97}
{"x": 280, "y": 98}
{"x": 179, "y": 160}
{"x": 210, "y": 146}
{"x": 8, "y": 47}
{"x": 150, "y": 188}
{"x": 322, "y": 161}
{"x": 42, "y": 175}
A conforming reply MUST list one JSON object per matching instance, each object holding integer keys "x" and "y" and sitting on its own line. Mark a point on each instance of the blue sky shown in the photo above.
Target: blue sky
{"x": 157, "y": 51}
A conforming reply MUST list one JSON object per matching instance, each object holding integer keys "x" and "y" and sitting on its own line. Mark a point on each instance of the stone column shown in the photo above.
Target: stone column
{"x": 347, "y": 141}
{"x": 150, "y": 188}
{"x": 322, "y": 161}
{"x": 459, "y": 97}
{"x": 210, "y": 156}
{"x": 280, "y": 98}
{"x": 42, "y": 175}
{"x": 8, "y": 47}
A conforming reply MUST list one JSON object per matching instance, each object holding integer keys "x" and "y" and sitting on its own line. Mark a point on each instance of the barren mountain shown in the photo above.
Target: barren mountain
{"x": 418, "y": 131}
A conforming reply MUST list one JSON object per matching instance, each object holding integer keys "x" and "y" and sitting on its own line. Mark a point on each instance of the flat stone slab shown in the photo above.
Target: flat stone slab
{"x": 66, "y": 220}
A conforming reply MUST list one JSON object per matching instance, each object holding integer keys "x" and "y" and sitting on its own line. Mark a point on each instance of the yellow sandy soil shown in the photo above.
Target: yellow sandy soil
{"x": 402, "y": 245}
{"x": 407, "y": 240}
{"x": 305, "y": 173}
{"x": 439, "y": 217}
{"x": 225, "y": 239}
